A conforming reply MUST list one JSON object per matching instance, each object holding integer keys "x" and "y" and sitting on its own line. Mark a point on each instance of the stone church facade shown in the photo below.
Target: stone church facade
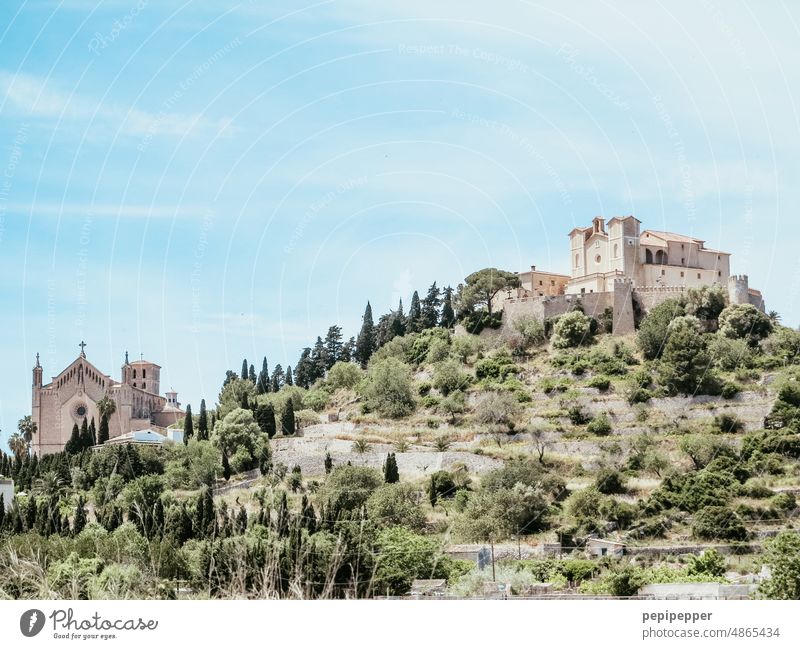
{"x": 73, "y": 394}
{"x": 616, "y": 265}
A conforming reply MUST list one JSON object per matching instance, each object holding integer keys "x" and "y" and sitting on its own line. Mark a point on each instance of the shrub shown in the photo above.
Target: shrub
{"x": 477, "y": 321}
{"x": 463, "y": 348}
{"x": 730, "y": 354}
{"x": 396, "y": 504}
{"x": 388, "y": 388}
{"x": 344, "y": 375}
{"x": 572, "y": 330}
{"x": 745, "y": 322}
{"x": 609, "y": 481}
{"x": 531, "y": 331}
{"x": 577, "y": 415}
{"x": 449, "y": 377}
{"x": 441, "y": 485}
{"x": 728, "y": 423}
{"x": 349, "y": 487}
{"x": 705, "y": 302}
{"x": 718, "y": 523}
{"x": 710, "y": 562}
{"x": 424, "y": 388}
{"x": 498, "y": 368}
{"x": 730, "y": 390}
{"x": 685, "y": 362}
{"x": 654, "y": 330}
{"x": 785, "y": 502}
{"x": 783, "y": 345}
{"x": 600, "y": 425}
{"x": 497, "y": 408}
{"x": 600, "y": 382}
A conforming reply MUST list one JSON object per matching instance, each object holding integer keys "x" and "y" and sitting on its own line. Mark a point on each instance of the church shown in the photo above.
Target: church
{"x": 74, "y": 394}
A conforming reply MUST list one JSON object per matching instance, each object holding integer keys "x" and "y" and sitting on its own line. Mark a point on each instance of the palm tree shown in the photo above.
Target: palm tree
{"x": 51, "y": 484}
{"x": 17, "y": 444}
{"x": 27, "y": 427}
{"x": 106, "y": 407}
{"x": 442, "y": 443}
{"x": 361, "y": 446}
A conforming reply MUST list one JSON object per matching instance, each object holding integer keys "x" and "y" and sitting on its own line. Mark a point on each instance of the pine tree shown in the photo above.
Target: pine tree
{"x": 245, "y": 373}
{"x": 390, "y": 471}
{"x": 304, "y": 369}
{"x": 414, "y": 314}
{"x": 102, "y": 435}
{"x": 202, "y": 422}
{"x": 278, "y": 378}
{"x": 348, "y": 351}
{"x": 448, "y": 319}
{"x": 265, "y": 417}
{"x": 430, "y": 307}
{"x": 188, "y": 425}
{"x": 288, "y": 423}
{"x": 263, "y": 378}
{"x": 226, "y": 467}
{"x": 333, "y": 346}
{"x": 319, "y": 360}
{"x": 328, "y": 462}
{"x": 365, "y": 344}
{"x": 80, "y": 517}
{"x": 252, "y": 375}
{"x": 289, "y": 378}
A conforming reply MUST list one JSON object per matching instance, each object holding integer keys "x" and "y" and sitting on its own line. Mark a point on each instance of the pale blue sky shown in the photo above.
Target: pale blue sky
{"x": 203, "y": 181}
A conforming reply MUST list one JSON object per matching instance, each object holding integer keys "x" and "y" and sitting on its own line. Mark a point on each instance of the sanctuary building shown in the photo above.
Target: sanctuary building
{"x": 74, "y": 393}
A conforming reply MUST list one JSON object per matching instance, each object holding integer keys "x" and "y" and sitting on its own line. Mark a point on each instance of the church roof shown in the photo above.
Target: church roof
{"x": 143, "y": 362}
{"x": 671, "y": 236}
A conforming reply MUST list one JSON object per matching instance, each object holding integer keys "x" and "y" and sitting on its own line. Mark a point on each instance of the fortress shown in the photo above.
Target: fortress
{"x": 74, "y": 394}
{"x": 615, "y": 266}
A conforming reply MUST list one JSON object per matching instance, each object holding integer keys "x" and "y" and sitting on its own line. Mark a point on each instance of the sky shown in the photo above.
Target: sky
{"x": 202, "y": 181}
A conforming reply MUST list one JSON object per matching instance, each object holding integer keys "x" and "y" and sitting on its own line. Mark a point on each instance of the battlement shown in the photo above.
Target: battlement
{"x": 739, "y": 278}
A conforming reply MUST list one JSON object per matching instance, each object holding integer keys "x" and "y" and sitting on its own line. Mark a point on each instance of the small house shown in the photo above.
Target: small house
{"x": 7, "y": 490}
{"x": 428, "y": 588}
{"x": 597, "y": 548}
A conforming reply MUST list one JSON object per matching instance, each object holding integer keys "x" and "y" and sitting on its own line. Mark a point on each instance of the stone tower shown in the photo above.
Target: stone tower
{"x": 739, "y": 289}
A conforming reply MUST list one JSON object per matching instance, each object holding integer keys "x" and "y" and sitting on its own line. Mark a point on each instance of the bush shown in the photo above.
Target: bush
{"x": 572, "y": 329}
{"x": 577, "y": 415}
{"x": 710, "y": 563}
{"x": 396, "y": 504}
{"x": 344, "y": 375}
{"x": 531, "y": 331}
{"x": 609, "y": 481}
{"x": 388, "y": 388}
{"x": 654, "y": 330}
{"x": 448, "y": 377}
{"x": 600, "y": 382}
{"x": 783, "y": 345}
{"x": 497, "y": 408}
{"x": 745, "y": 322}
{"x": 477, "y": 321}
{"x": 600, "y": 425}
{"x": 730, "y": 390}
{"x": 785, "y": 502}
{"x": 685, "y": 363}
{"x": 730, "y": 354}
{"x": 349, "y": 487}
{"x": 718, "y": 523}
{"x": 441, "y": 485}
{"x": 727, "y": 423}
{"x": 498, "y": 368}
{"x": 705, "y": 302}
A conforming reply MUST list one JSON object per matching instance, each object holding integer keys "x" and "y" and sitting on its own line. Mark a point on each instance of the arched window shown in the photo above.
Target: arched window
{"x": 648, "y": 256}
{"x": 577, "y": 260}
{"x": 661, "y": 258}
{"x": 616, "y": 251}
{"x": 134, "y": 373}
{"x": 144, "y": 374}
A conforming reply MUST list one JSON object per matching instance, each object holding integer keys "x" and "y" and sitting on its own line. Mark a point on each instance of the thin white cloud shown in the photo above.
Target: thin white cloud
{"x": 106, "y": 210}
{"x": 39, "y": 97}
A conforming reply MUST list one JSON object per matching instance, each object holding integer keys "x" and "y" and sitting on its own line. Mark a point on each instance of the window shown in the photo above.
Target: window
{"x": 616, "y": 251}
{"x": 699, "y": 276}
{"x": 598, "y": 259}
{"x": 134, "y": 384}
{"x": 719, "y": 273}
{"x": 583, "y": 290}
{"x": 663, "y": 272}
{"x": 144, "y": 386}
{"x": 683, "y": 261}
{"x": 603, "y": 552}
{"x": 661, "y": 258}
{"x": 648, "y": 256}
{"x": 134, "y": 373}
{"x": 541, "y": 283}
{"x": 144, "y": 374}
{"x": 552, "y": 282}
{"x": 682, "y": 274}
{"x": 577, "y": 261}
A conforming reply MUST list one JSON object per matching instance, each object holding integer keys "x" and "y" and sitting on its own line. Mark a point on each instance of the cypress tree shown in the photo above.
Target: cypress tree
{"x": 73, "y": 445}
{"x": 2, "y": 511}
{"x": 448, "y": 320}
{"x": 278, "y": 378}
{"x": 245, "y": 372}
{"x": 85, "y": 435}
{"x": 252, "y": 374}
{"x": 241, "y": 520}
{"x": 245, "y": 402}
{"x": 265, "y": 417}
{"x": 102, "y": 435}
{"x": 415, "y": 314}
{"x": 289, "y": 378}
{"x": 328, "y": 462}
{"x": 263, "y": 378}
{"x": 188, "y": 425}
{"x": 93, "y": 432}
{"x": 202, "y": 421}
{"x": 158, "y": 518}
{"x": 304, "y": 369}
{"x": 365, "y": 344}
{"x": 288, "y": 424}
{"x": 390, "y": 471}
{"x": 265, "y": 458}
{"x": 226, "y": 467}
{"x": 80, "y": 517}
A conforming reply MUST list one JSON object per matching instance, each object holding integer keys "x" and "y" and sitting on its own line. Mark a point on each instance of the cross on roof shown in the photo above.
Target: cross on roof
{"x": 82, "y": 346}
